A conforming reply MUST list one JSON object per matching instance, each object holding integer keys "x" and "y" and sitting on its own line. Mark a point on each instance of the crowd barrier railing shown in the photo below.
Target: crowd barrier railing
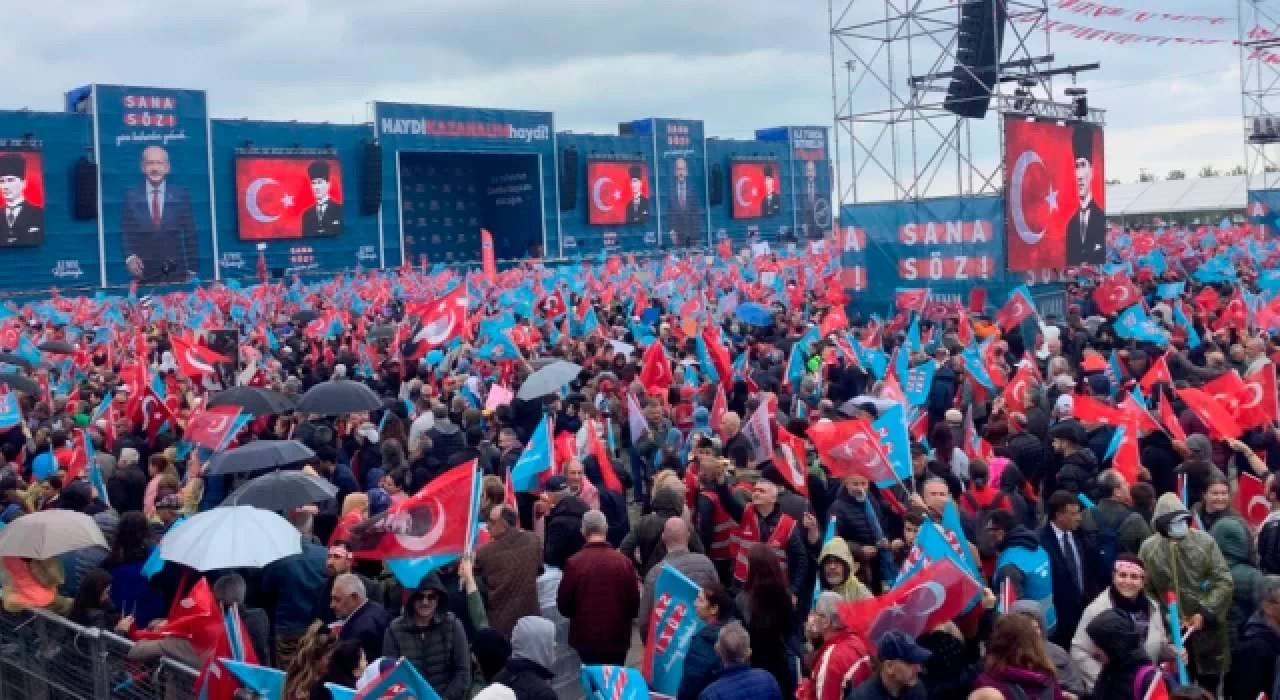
{"x": 46, "y": 657}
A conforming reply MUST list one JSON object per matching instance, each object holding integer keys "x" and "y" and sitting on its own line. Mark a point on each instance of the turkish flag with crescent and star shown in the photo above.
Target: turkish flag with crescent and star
{"x": 209, "y": 427}
{"x": 1040, "y": 194}
{"x": 1116, "y": 293}
{"x": 938, "y": 592}
{"x": 1251, "y": 500}
{"x": 273, "y": 194}
{"x": 438, "y": 520}
{"x": 747, "y": 187}
{"x": 609, "y": 189}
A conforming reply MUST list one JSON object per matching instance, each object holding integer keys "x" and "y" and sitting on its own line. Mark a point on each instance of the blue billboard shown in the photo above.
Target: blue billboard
{"x": 774, "y": 225}
{"x": 153, "y": 179}
{"x": 615, "y": 209}
{"x": 406, "y": 129}
{"x": 949, "y": 245}
{"x": 679, "y": 147}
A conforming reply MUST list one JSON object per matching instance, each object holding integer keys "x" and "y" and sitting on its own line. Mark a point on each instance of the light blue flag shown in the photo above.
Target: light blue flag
{"x": 154, "y": 563}
{"x": 918, "y": 382}
{"x": 536, "y": 458}
{"x": 913, "y": 343}
{"x": 673, "y": 613}
{"x": 976, "y": 368}
{"x": 894, "y": 436}
{"x": 613, "y": 683}
{"x": 1173, "y": 290}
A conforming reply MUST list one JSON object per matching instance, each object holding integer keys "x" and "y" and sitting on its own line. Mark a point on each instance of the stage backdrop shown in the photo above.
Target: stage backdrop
{"x": 948, "y": 245}
{"x": 65, "y": 251}
{"x": 1055, "y": 187}
{"x": 438, "y": 129}
{"x": 772, "y": 228}
{"x": 153, "y": 178}
{"x": 680, "y": 179}
{"x": 810, "y": 177}
{"x": 1264, "y": 210}
{"x": 283, "y": 151}
{"x": 605, "y": 216}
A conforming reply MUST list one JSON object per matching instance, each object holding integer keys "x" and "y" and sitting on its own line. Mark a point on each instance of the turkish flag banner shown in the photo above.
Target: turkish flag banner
{"x": 1251, "y": 500}
{"x": 1040, "y": 194}
{"x": 280, "y": 197}
{"x": 755, "y": 189}
{"x": 611, "y": 193}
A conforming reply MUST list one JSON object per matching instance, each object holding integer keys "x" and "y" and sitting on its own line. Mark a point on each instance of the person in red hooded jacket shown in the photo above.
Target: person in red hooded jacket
{"x": 843, "y": 659}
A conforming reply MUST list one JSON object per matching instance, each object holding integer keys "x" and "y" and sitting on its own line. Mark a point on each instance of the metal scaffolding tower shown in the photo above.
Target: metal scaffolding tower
{"x": 1260, "y": 91}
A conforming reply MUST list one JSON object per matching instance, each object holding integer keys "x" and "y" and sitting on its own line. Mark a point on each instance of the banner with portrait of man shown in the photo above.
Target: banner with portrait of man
{"x": 21, "y": 197}
{"x": 153, "y": 146}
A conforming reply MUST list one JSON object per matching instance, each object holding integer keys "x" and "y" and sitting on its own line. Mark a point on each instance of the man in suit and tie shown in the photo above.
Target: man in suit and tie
{"x": 158, "y": 228}
{"x": 638, "y": 205}
{"x": 325, "y": 218}
{"x": 1087, "y": 229}
{"x": 814, "y": 209}
{"x": 1071, "y": 562}
{"x": 685, "y": 217}
{"x": 23, "y": 222}
{"x": 772, "y": 203}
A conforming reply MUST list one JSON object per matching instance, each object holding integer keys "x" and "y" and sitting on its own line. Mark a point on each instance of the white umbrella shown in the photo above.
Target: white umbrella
{"x": 231, "y": 537}
{"x": 48, "y": 534}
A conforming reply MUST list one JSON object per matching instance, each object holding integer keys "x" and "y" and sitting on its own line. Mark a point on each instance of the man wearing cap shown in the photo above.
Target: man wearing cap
{"x": 1087, "y": 228}
{"x": 763, "y": 521}
{"x": 842, "y": 660}
{"x": 898, "y": 673}
{"x": 325, "y": 218}
{"x": 23, "y": 222}
{"x": 638, "y": 205}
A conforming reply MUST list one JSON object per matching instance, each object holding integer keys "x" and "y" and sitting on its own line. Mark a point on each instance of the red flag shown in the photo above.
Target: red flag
{"x": 193, "y": 617}
{"x": 487, "y": 258}
{"x": 1126, "y": 460}
{"x": 834, "y": 321}
{"x": 79, "y": 456}
{"x": 438, "y": 520}
{"x": 1234, "y": 315}
{"x": 791, "y": 461}
{"x": 937, "y": 593}
{"x": 1015, "y": 392}
{"x": 442, "y": 320}
{"x": 911, "y": 300}
{"x": 719, "y": 355}
{"x": 565, "y": 446}
{"x": 1259, "y": 400}
{"x": 1137, "y": 414}
{"x": 1157, "y": 374}
{"x": 1251, "y": 500}
{"x": 195, "y": 360}
{"x": 1216, "y": 418}
{"x": 209, "y": 428}
{"x": 1018, "y": 309}
{"x": 596, "y": 448}
{"x": 1087, "y": 409}
{"x": 1207, "y": 300}
{"x": 1116, "y": 293}
{"x": 719, "y": 407}
{"x": 725, "y": 249}
{"x": 851, "y": 447}
{"x": 1227, "y": 390}
{"x": 656, "y": 369}
{"x": 276, "y": 198}
{"x": 1171, "y": 422}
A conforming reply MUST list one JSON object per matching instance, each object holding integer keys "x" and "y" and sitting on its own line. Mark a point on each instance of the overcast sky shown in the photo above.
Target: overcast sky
{"x": 736, "y": 64}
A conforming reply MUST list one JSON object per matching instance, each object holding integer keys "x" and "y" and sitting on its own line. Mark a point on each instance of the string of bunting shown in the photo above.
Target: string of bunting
{"x": 1093, "y": 9}
{"x": 1078, "y": 31}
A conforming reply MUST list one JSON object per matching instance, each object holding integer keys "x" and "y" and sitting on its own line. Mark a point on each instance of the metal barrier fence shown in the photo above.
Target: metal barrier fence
{"x": 47, "y": 657}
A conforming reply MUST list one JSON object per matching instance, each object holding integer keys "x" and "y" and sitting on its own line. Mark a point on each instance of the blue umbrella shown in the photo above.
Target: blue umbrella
{"x": 754, "y": 314}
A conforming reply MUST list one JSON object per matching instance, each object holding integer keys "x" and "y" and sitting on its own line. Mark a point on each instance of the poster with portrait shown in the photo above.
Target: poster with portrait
{"x": 153, "y": 149}
{"x": 754, "y": 186}
{"x": 618, "y": 192}
{"x": 811, "y": 181}
{"x": 280, "y": 198}
{"x": 682, "y": 175}
{"x": 22, "y": 200}
{"x": 1055, "y": 193}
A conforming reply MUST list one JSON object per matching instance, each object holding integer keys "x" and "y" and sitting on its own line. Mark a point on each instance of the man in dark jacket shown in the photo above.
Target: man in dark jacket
{"x": 1025, "y": 449}
{"x": 1113, "y": 518}
{"x": 358, "y": 617}
{"x": 599, "y": 596}
{"x": 1254, "y": 661}
{"x": 433, "y": 640}
{"x": 852, "y": 508}
{"x": 736, "y": 680}
{"x": 562, "y": 533}
{"x": 292, "y": 583}
{"x": 446, "y": 437}
{"x": 230, "y": 590}
{"x": 1072, "y": 562}
{"x": 898, "y": 675}
{"x": 643, "y": 545}
{"x": 509, "y": 567}
{"x": 1079, "y": 463}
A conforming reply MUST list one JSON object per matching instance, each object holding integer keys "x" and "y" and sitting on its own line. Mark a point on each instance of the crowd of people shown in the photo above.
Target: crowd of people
{"x": 660, "y": 467}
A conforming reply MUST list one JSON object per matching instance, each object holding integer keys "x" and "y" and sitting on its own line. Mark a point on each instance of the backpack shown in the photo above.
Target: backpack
{"x": 1106, "y": 541}
{"x": 981, "y": 516}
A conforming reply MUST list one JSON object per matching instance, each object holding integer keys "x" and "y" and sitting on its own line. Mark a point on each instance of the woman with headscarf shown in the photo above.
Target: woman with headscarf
{"x": 1127, "y": 596}
{"x": 1188, "y": 564}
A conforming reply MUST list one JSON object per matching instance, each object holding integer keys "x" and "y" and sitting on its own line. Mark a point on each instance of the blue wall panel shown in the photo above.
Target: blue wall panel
{"x": 584, "y": 239}
{"x": 771, "y": 228}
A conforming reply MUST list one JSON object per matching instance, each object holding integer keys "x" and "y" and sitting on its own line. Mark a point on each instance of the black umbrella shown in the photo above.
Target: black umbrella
{"x": 339, "y": 397}
{"x": 17, "y": 382}
{"x": 57, "y": 347}
{"x": 255, "y": 400}
{"x": 281, "y": 491}
{"x": 304, "y": 316}
{"x": 262, "y": 454}
{"x": 12, "y": 359}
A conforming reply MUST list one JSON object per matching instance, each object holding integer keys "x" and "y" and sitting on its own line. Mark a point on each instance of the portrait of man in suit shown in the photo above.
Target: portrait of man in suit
{"x": 815, "y": 211}
{"x": 685, "y": 218}
{"x": 325, "y": 218}
{"x": 772, "y": 203}
{"x": 23, "y": 222}
{"x": 638, "y": 205}
{"x": 157, "y": 226}
{"x": 1087, "y": 228}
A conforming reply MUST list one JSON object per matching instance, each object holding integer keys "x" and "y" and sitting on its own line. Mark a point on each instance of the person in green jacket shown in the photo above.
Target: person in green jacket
{"x": 1188, "y": 564}
{"x": 1233, "y": 539}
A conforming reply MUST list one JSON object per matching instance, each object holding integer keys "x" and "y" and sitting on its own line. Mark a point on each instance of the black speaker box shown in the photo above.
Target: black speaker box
{"x": 977, "y": 70}
{"x": 84, "y": 190}
{"x": 371, "y": 179}
{"x": 715, "y": 183}
{"x": 569, "y": 178}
